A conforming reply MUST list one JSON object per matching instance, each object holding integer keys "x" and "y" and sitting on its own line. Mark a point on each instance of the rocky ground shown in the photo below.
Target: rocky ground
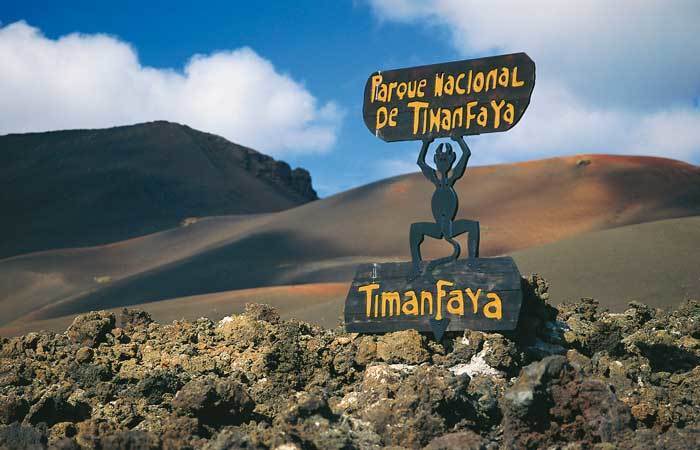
{"x": 571, "y": 378}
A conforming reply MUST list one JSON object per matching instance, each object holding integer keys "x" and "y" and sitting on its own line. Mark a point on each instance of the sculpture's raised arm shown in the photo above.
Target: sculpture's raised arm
{"x": 458, "y": 170}
{"x": 424, "y": 167}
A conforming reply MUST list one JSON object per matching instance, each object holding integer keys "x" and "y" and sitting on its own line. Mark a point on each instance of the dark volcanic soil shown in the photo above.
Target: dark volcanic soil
{"x": 573, "y": 378}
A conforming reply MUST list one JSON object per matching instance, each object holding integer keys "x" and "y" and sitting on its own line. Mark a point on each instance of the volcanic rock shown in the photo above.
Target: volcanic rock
{"x": 90, "y": 329}
{"x": 572, "y": 377}
{"x": 214, "y": 401}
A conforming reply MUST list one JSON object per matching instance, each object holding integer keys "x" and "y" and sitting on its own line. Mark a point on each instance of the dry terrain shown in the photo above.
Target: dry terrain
{"x": 529, "y": 209}
{"x": 63, "y": 189}
{"x": 656, "y": 263}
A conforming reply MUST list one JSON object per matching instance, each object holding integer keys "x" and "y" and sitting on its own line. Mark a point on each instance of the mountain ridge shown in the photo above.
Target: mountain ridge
{"x": 88, "y": 187}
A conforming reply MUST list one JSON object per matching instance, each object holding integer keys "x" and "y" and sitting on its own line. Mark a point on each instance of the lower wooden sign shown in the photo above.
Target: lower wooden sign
{"x": 475, "y": 293}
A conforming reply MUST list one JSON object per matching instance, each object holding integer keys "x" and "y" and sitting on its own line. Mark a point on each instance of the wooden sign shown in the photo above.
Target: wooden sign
{"x": 468, "y": 97}
{"x": 476, "y": 293}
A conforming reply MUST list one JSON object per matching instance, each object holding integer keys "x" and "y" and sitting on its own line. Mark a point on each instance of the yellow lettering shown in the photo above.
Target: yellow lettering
{"x": 382, "y": 117}
{"x": 393, "y": 300}
{"x": 509, "y": 114}
{"x": 446, "y": 122}
{"x": 417, "y": 107}
{"x": 368, "y": 289}
{"x": 455, "y": 304}
{"x": 516, "y": 82}
{"x": 460, "y": 90}
{"x": 478, "y": 82}
{"x": 470, "y": 115}
{"x": 434, "y": 119}
{"x": 474, "y": 298}
{"x": 457, "y": 117}
{"x": 400, "y": 93}
{"x": 440, "y": 295}
{"x": 426, "y": 295}
{"x": 412, "y": 86}
{"x": 392, "y": 116}
{"x": 491, "y": 79}
{"x": 483, "y": 116}
{"x": 444, "y": 302}
{"x": 504, "y": 77}
{"x": 469, "y": 83}
{"x": 493, "y": 309}
{"x": 392, "y": 86}
{"x": 412, "y": 302}
{"x": 439, "y": 82}
{"x": 450, "y": 85}
{"x": 376, "y": 81}
{"x": 381, "y": 92}
{"x": 421, "y": 85}
{"x": 497, "y": 112}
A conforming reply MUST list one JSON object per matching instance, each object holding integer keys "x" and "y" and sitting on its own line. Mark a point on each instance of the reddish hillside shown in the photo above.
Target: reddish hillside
{"x": 519, "y": 205}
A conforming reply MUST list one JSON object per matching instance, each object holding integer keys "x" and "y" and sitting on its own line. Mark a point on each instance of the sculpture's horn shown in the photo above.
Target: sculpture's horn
{"x": 449, "y": 147}
{"x": 439, "y": 148}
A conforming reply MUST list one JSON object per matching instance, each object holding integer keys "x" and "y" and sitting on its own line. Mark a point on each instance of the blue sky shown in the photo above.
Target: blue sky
{"x": 610, "y": 80}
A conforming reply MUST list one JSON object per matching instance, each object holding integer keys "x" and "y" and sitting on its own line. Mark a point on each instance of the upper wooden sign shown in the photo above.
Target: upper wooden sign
{"x": 462, "y": 97}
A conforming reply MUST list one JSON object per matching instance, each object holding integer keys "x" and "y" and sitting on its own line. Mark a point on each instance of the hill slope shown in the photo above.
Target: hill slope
{"x": 519, "y": 206}
{"x": 656, "y": 263}
{"x": 87, "y": 187}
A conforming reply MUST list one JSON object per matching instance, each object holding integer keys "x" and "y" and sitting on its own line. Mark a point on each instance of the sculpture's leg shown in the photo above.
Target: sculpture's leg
{"x": 418, "y": 231}
{"x": 471, "y": 227}
{"x": 448, "y": 232}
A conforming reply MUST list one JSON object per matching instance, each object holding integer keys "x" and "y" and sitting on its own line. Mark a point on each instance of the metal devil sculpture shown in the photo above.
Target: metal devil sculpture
{"x": 444, "y": 205}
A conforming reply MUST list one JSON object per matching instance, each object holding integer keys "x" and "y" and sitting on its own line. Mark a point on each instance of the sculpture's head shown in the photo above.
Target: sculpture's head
{"x": 444, "y": 159}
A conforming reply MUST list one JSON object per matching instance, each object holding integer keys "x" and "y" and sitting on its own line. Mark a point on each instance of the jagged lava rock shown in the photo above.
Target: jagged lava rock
{"x": 569, "y": 377}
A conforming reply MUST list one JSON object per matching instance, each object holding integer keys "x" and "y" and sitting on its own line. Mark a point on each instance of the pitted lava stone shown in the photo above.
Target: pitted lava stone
{"x": 574, "y": 377}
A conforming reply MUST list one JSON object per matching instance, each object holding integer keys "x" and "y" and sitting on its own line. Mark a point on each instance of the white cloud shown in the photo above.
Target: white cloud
{"x": 396, "y": 166}
{"x": 619, "y": 77}
{"x": 94, "y": 81}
